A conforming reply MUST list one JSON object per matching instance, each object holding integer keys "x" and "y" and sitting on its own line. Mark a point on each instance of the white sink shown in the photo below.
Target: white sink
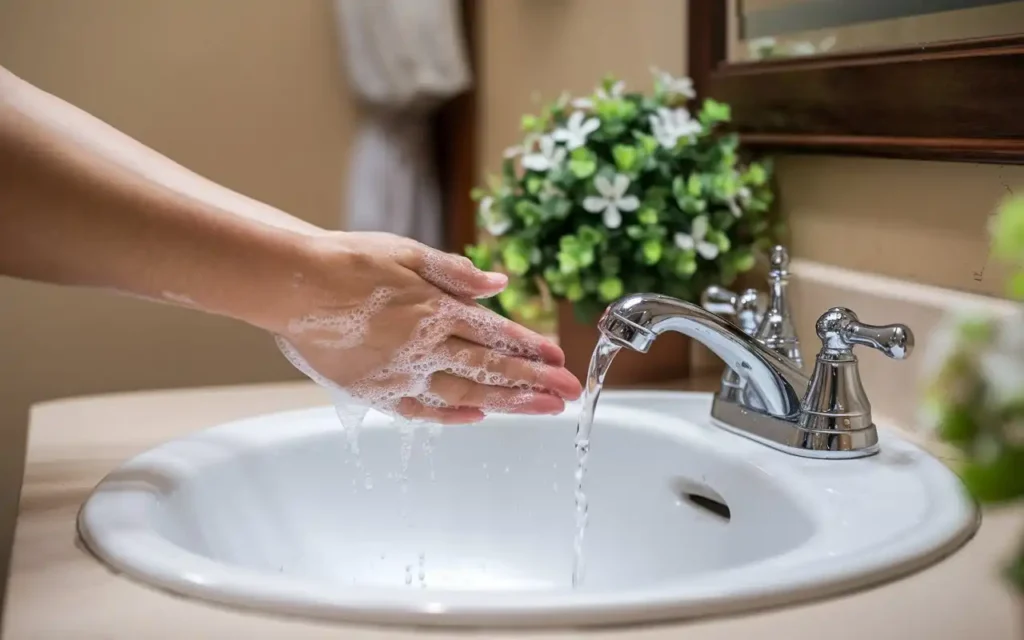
{"x": 273, "y": 513}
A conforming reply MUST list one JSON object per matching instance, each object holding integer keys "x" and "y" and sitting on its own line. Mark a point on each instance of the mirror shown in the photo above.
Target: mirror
{"x": 773, "y": 29}
{"x": 919, "y": 79}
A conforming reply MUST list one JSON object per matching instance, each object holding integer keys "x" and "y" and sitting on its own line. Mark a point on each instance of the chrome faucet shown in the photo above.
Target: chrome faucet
{"x": 770, "y": 323}
{"x": 827, "y": 415}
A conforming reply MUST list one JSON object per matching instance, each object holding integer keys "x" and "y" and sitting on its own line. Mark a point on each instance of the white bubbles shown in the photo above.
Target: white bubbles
{"x": 348, "y": 329}
{"x": 410, "y": 370}
{"x": 438, "y": 268}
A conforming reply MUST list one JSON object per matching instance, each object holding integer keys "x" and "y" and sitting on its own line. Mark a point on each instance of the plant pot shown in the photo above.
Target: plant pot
{"x": 668, "y": 359}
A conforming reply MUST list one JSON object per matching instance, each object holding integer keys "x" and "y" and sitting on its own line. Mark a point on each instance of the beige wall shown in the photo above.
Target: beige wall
{"x": 249, "y": 93}
{"x": 536, "y": 49}
{"x": 920, "y": 221}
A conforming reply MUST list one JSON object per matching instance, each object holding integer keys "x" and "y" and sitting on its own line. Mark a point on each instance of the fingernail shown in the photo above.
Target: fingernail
{"x": 563, "y": 383}
{"x": 496, "y": 279}
{"x": 544, "y": 404}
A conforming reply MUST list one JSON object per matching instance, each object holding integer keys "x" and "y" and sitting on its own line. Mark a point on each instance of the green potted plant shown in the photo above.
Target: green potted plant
{"x": 975, "y": 400}
{"x": 621, "y": 192}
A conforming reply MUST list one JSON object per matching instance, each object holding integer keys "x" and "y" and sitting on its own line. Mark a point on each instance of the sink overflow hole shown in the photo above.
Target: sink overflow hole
{"x": 714, "y": 507}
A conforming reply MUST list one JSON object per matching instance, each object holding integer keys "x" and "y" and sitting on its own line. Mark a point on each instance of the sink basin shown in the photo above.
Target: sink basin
{"x": 276, "y": 513}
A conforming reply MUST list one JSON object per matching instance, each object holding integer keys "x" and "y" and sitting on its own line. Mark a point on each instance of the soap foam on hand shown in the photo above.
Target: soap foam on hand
{"x": 410, "y": 371}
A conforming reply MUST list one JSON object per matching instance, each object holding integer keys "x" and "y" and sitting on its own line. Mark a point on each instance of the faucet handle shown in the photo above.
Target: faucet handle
{"x": 840, "y": 329}
{"x": 746, "y": 307}
{"x": 835, "y": 409}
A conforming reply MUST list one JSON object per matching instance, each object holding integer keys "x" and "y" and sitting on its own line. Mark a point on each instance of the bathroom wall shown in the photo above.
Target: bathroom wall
{"x": 534, "y": 50}
{"x": 250, "y": 94}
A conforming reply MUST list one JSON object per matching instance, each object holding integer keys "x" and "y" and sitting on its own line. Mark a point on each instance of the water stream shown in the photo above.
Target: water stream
{"x": 602, "y": 358}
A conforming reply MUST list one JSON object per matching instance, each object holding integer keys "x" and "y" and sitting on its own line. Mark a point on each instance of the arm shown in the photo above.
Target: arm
{"x": 83, "y": 204}
{"x": 38, "y": 109}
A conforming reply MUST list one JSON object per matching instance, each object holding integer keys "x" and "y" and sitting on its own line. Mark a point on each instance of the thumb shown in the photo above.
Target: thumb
{"x": 458, "y": 276}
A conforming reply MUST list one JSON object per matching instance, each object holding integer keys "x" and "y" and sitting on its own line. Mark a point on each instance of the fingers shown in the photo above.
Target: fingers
{"x": 484, "y": 327}
{"x": 413, "y": 409}
{"x": 461, "y": 392}
{"x": 455, "y": 275}
{"x": 488, "y": 366}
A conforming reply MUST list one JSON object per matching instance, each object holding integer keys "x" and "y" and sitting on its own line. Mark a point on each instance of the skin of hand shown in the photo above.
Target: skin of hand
{"x": 83, "y": 204}
{"x": 392, "y": 323}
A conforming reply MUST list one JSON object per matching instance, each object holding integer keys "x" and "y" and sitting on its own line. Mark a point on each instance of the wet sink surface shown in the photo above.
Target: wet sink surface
{"x": 277, "y": 513}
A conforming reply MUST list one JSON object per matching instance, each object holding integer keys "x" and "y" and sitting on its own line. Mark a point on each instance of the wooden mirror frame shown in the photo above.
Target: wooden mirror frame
{"x": 954, "y": 101}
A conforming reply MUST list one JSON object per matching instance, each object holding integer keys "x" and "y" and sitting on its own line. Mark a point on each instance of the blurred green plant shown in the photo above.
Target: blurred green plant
{"x": 619, "y": 192}
{"x": 975, "y": 400}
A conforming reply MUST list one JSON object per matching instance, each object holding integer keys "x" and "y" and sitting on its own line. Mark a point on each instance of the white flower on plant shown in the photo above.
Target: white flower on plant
{"x": 741, "y": 199}
{"x": 682, "y": 86}
{"x": 697, "y": 239}
{"x": 612, "y": 201}
{"x": 669, "y": 125}
{"x": 547, "y": 156}
{"x": 529, "y": 142}
{"x": 617, "y": 90}
{"x": 495, "y": 221}
{"x": 576, "y": 130}
{"x": 1002, "y": 364}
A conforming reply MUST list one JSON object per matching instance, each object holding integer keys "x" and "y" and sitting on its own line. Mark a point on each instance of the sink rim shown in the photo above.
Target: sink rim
{"x": 120, "y": 538}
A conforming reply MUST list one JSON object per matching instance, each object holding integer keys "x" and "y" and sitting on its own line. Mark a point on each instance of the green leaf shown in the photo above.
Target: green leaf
{"x": 685, "y": 264}
{"x": 694, "y": 186}
{"x": 714, "y": 112}
{"x": 530, "y": 124}
{"x": 480, "y": 255}
{"x": 1015, "y": 572}
{"x": 743, "y": 260}
{"x": 529, "y": 212}
{"x": 574, "y": 291}
{"x": 582, "y": 169}
{"x": 634, "y": 231}
{"x": 477, "y": 194}
{"x": 1007, "y": 231}
{"x": 1015, "y": 287}
{"x": 515, "y": 255}
{"x": 555, "y": 280}
{"x": 648, "y": 143}
{"x": 610, "y": 264}
{"x": 693, "y": 205}
{"x": 755, "y": 175}
{"x": 625, "y": 157}
{"x": 508, "y": 170}
{"x": 609, "y": 289}
{"x": 719, "y": 239}
{"x": 647, "y": 215}
{"x": 651, "y": 251}
{"x": 557, "y": 207}
{"x": 590, "y": 236}
{"x": 656, "y": 197}
{"x": 511, "y": 298}
{"x": 534, "y": 184}
{"x": 957, "y": 424}
{"x": 998, "y": 479}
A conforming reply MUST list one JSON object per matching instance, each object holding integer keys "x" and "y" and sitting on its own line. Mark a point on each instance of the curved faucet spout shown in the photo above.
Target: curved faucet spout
{"x": 635, "y": 321}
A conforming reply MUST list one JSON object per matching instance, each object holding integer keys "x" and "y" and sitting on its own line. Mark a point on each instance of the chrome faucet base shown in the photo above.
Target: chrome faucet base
{"x": 785, "y": 436}
{"x": 826, "y": 415}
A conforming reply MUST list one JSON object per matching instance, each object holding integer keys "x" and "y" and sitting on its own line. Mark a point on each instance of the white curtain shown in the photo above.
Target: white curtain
{"x": 404, "y": 59}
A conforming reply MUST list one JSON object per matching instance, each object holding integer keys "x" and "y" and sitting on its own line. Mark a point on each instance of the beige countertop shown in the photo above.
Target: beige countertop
{"x": 57, "y": 591}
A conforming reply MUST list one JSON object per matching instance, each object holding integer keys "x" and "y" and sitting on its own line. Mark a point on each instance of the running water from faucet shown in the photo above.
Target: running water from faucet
{"x": 602, "y": 358}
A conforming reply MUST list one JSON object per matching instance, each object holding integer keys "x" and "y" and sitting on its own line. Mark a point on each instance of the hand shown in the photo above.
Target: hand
{"x": 392, "y": 323}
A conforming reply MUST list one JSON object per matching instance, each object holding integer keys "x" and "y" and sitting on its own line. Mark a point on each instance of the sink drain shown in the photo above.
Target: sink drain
{"x": 703, "y": 497}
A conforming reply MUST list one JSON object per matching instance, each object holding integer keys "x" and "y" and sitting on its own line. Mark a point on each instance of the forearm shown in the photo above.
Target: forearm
{"x": 72, "y": 213}
{"x": 76, "y": 127}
